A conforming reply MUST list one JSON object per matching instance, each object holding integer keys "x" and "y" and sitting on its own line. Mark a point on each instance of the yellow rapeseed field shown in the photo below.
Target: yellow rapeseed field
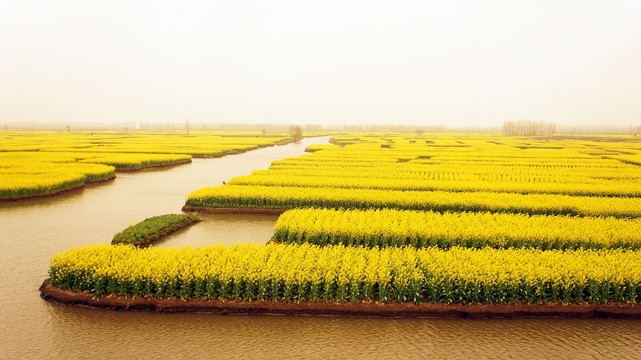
{"x": 391, "y": 227}
{"x": 447, "y": 172}
{"x": 290, "y": 197}
{"x": 42, "y": 162}
{"x": 442, "y": 218}
{"x": 337, "y": 273}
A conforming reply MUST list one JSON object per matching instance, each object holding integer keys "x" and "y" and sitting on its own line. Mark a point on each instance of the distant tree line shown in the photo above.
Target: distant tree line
{"x": 527, "y": 128}
{"x": 521, "y": 127}
{"x": 296, "y": 132}
{"x": 600, "y": 129}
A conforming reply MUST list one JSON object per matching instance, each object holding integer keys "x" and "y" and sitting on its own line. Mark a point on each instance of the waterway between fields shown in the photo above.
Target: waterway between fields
{"x": 31, "y": 328}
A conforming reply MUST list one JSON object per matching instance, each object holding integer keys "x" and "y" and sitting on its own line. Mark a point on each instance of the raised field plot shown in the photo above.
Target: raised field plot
{"x": 435, "y": 218}
{"x": 337, "y": 273}
{"x": 446, "y": 173}
{"x": 37, "y": 163}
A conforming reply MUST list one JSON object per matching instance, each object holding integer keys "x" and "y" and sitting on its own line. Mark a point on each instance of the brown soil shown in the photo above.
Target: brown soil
{"x": 56, "y": 294}
{"x": 211, "y": 156}
{"x": 239, "y": 210}
{"x": 95, "y": 181}
{"x": 57, "y": 192}
{"x": 236, "y": 152}
{"x": 187, "y": 161}
{"x": 284, "y": 142}
{"x": 163, "y": 233}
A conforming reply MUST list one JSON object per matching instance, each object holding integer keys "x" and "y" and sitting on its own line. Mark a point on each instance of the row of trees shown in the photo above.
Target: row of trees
{"x": 296, "y": 132}
{"x": 524, "y": 127}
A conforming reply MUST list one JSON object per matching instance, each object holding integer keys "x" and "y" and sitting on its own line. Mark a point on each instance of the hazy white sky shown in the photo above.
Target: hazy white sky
{"x": 327, "y": 62}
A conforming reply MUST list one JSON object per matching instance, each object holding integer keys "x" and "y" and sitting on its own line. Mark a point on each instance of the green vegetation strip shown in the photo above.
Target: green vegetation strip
{"x": 294, "y": 273}
{"x": 153, "y": 228}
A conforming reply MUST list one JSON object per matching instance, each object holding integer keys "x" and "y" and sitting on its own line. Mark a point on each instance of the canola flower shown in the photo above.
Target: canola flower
{"x": 206, "y": 143}
{"x": 454, "y": 172}
{"x": 41, "y": 162}
{"x": 16, "y": 185}
{"x": 358, "y": 182}
{"x": 634, "y": 159}
{"x": 492, "y": 167}
{"x": 444, "y": 173}
{"x": 35, "y": 178}
{"x": 353, "y": 274}
{"x": 307, "y": 272}
{"x": 283, "y": 197}
{"x": 128, "y": 160}
{"x": 391, "y": 227}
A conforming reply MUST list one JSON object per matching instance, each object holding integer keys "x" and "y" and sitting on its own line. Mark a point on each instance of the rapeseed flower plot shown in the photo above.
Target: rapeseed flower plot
{"x": 290, "y": 197}
{"x": 43, "y": 162}
{"x": 352, "y": 274}
{"x": 441, "y": 218}
{"x": 390, "y": 227}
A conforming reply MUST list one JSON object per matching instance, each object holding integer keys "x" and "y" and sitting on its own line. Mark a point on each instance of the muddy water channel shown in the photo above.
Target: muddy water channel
{"x": 31, "y": 231}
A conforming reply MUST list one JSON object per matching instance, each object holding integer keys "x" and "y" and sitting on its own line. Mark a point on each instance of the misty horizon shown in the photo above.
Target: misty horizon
{"x": 551, "y": 128}
{"x": 415, "y": 64}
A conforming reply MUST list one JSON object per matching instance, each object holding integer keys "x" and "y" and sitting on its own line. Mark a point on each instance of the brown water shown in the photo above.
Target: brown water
{"x": 33, "y": 230}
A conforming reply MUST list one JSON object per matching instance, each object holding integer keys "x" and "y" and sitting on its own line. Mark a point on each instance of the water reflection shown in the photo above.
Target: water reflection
{"x": 218, "y": 336}
{"x": 225, "y": 229}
